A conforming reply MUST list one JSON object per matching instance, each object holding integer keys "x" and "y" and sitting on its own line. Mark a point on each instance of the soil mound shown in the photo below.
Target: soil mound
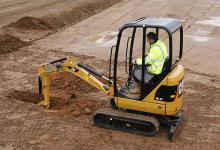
{"x": 85, "y": 10}
{"x": 9, "y": 43}
{"x": 71, "y": 93}
{"x": 33, "y": 23}
{"x": 70, "y": 83}
{"x": 57, "y": 21}
{"x": 67, "y": 93}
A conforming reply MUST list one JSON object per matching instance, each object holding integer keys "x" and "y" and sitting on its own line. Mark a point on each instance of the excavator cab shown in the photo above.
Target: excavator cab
{"x": 160, "y": 99}
{"x": 132, "y": 43}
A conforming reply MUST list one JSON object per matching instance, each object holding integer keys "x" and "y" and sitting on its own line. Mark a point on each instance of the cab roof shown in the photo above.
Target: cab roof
{"x": 169, "y": 24}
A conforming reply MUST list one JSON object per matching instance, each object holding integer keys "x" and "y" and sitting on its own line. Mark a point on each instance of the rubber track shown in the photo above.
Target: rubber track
{"x": 129, "y": 116}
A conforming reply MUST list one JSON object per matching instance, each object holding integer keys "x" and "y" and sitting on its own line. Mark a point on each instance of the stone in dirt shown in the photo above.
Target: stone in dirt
{"x": 87, "y": 111}
{"x": 76, "y": 113}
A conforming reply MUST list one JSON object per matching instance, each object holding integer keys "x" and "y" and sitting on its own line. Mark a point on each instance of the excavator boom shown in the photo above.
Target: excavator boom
{"x": 72, "y": 65}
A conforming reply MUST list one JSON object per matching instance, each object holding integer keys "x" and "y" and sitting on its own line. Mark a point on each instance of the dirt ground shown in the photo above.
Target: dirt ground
{"x": 36, "y": 32}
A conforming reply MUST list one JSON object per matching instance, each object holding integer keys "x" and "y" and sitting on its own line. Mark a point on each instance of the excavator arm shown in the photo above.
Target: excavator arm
{"x": 72, "y": 65}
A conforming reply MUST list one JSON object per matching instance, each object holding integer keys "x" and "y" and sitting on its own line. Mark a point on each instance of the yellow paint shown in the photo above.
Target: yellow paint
{"x": 148, "y": 104}
{"x": 69, "y": 65}
{"x": 151, "y": 105}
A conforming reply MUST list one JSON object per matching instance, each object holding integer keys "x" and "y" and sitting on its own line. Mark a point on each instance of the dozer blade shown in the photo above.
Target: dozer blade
{"x": 176, "y": 125}
{"x": 128, "y": 122}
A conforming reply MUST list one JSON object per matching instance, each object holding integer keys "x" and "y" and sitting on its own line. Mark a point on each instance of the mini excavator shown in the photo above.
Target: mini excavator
{"x": 161, "y": 98}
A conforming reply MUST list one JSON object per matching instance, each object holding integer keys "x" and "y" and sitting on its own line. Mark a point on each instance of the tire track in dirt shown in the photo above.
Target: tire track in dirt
{"x": 29, "y": 29}
{"x": 13, "y": 4}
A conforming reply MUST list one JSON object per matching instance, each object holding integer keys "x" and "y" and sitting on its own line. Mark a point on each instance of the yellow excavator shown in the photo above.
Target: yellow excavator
{"x": 160, "y": 99}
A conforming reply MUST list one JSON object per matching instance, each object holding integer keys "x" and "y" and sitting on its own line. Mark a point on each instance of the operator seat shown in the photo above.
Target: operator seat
{"x": 147, "y": 76}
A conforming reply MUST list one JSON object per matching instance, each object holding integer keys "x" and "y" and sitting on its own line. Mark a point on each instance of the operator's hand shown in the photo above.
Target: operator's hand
{"x": 133, "y": 61}
{"x": 138, "y": 61}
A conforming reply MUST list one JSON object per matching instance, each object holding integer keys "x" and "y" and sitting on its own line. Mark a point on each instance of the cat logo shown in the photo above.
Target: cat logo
{"x": 180, "y": 87}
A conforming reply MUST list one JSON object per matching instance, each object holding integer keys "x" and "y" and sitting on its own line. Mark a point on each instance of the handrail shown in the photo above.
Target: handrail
{"x": 126, "y": 63}
{"x": 110, "y": 61}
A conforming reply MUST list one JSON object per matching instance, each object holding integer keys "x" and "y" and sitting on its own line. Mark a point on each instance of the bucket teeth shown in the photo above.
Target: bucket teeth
{"x": 44, "y": 103}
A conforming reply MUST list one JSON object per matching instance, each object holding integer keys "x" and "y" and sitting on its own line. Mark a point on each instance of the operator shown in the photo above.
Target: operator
{"x": 154, "y": 62}
{"x": 155, "y": 59}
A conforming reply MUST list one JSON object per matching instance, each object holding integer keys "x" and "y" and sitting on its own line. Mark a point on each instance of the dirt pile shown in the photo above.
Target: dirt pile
{"x": 74, "y": 104}
{"x": 33, "y": 28}
{"x": 67, "y": 93}
{"x": 74, "y": 15}
{"x": 69, "y": 82}
{"x": 33, "y": 23}
{"x": 9, "y": 43}
{"x": 85, "y": 10}
{"x": 72, "y": 94}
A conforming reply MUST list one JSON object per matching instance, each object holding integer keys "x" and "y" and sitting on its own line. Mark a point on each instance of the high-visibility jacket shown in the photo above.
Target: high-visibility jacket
{"x": 155, "y": 58}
